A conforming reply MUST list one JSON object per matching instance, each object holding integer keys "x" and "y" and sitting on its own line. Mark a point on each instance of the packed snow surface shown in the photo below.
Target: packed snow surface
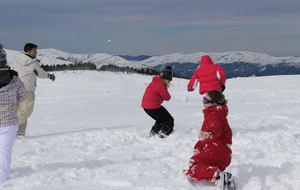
{"x": 88, "y": 131}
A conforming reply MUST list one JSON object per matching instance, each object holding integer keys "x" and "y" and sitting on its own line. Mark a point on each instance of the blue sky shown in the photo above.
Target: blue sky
{"x": 153, "y": 27}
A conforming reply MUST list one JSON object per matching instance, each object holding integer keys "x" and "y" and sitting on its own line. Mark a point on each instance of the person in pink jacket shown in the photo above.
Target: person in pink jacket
{"x": 210, "y": 76}
{"x": 212, "y": 153}
{"x": 155, "y": 93}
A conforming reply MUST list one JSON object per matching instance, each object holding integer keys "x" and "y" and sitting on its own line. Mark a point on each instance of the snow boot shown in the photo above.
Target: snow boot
{"x": 224, "y": 181}
{"x": 155, "y": 129}
{"x": 165, "y": 131}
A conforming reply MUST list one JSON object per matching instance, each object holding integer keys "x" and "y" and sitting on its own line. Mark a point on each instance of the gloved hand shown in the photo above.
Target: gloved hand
{"x": 223, "y": 87}
{"x": 193, "y": 161}
{"x": 199, "y": 146}
{"x": 51, "y": 77}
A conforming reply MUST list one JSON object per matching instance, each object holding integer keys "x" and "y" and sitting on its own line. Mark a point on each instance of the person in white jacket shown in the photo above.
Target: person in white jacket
{"x": 28, "y": 68}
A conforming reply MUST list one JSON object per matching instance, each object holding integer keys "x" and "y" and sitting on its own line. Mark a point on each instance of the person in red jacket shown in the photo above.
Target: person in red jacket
{"x": 212, "y": 153}
{"x": 210, "y": 76}
{"x": 155, "y": 93}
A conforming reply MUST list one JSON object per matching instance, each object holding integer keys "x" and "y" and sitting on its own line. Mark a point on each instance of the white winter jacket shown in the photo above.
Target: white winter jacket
{"x": 28, "y": 69}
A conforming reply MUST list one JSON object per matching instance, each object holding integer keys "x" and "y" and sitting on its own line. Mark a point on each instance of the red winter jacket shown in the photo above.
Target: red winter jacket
{"x": 210, "y": 76}
{"x": 155, "y": 93}
{"x": 216, "y": 147}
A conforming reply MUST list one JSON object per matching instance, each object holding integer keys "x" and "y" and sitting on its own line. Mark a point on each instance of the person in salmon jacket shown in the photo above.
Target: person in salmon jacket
{"x": 212, "y": 153}
{"x": 155, "y": 93}
{"x": 210, "y": 76}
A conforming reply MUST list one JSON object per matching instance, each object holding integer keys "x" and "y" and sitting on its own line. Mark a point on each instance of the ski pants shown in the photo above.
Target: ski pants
{"x": 207, "y": 164}
{"x": 164, "y": 121}
{"x": 25, "y": 109}
{"x": 7, "y": 138}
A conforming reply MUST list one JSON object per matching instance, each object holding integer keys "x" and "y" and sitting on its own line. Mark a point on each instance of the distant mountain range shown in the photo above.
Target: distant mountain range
{"x": 235, "y": 63}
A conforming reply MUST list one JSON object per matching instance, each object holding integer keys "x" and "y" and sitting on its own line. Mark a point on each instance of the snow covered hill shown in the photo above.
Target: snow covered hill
{"x": 236, "y": 63}
{"x": 55, "y": 57}
{"x": 88, "y": 131}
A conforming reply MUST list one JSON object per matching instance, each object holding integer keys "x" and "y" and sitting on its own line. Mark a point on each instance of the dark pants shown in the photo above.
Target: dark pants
{"x": 164, "y": 122}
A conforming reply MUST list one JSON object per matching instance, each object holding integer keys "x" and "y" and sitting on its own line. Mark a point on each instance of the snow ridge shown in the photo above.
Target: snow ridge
{"x": 52, "y": 56}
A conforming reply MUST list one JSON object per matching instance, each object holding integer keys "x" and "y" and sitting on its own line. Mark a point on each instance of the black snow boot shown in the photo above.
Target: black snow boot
{"x": 225, "y": 182}
{"x": 165, "y": 131}
{"x": 155, "y": 129}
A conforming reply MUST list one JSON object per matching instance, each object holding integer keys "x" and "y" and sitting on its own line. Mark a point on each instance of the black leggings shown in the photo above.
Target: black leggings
{"x": 164, "y": 122}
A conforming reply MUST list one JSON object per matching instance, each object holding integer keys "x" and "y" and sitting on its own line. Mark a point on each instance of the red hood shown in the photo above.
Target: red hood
{"x": 206, "y": 60}
{"x": 223, "y": 110}
{"x": 157, "y": 79}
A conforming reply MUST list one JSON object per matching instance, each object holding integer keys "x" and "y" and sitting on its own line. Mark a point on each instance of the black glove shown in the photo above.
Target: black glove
{"x": 223, "y": 87}
{"x": 51, "y": 77}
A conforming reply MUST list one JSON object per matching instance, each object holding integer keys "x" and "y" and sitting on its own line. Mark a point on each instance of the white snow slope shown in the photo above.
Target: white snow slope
{"x": 89, "y": 132}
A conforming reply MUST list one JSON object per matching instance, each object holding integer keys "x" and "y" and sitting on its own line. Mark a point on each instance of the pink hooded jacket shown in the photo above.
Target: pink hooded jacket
{"x": 210, "y": 76}
{"x": 155, "y": 93}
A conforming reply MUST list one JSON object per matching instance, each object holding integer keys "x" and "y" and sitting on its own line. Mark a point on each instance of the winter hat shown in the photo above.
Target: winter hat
{"x": 167, "y": 73}
{"x": 3, "y": 61}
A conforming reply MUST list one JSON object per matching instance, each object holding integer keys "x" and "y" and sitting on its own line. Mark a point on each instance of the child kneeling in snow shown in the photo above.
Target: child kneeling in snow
{"x": 212, "y": 153}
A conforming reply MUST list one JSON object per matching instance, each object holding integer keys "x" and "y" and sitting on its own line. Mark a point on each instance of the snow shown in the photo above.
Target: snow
{"x": 52, "y": 56}
{"x": 88, "y": 131}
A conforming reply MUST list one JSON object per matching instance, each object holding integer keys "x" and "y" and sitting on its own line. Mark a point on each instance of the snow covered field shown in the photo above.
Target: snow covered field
{"x": 89, "y": 132}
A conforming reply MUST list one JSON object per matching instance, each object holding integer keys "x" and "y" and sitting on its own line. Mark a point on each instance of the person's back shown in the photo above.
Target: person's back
{"x": 210, "y": 76}
{"x": 10, "y": 94}
{"x": 216, "y": 123}
{"x": 12, "y": 91}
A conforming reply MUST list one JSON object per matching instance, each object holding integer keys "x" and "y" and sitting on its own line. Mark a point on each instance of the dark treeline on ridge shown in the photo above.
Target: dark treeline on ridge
{"x": 71, "y": 66}
{"x": 91, "y": 66}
